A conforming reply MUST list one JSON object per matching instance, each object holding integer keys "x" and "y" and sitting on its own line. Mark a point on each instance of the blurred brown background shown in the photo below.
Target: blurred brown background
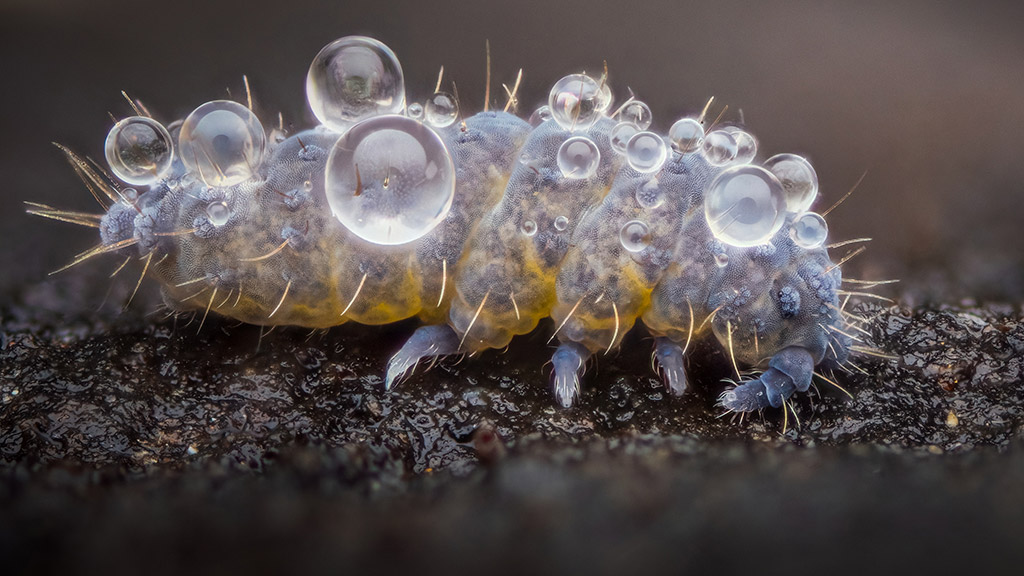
{"x": 924, "y": 96}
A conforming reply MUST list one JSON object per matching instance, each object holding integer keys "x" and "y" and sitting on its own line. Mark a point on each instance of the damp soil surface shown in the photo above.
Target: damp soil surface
{"x": 136, "y": 441}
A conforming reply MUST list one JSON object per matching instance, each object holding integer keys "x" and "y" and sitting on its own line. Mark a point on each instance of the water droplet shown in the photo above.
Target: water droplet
{"x": 721, "y": 260}
{"x": 746, "y": 146}
{"x": 649, "y": 194}
{"x": 441, "y": 110}
{"x": 561, "y": 223}
{"x": 578, "y": 157}
{"x": 277, "y": 136}
{"x": 218, "y": 213}
{"x": 809, "y": 230}
{"x": 540, "y": 115}
{"x": 352, "y": 79}
{"x": 577, "y": 101}
{"x": 637, "y": 113}
{"x": 719, "y": 148}
{"x": 222, "y": 142}
{"x": 635, "y": 236}
{"x": 686, "y": 135}
{"x": 646, "y": 152}
{"x": 307, "y": 186}
{"x": 529, "y": 227}
{"x": 414, "y": 111}
{"x": 798, "y": 178}
{"x": 139, "y": 150}
{"x": 620, "y": 135}
{"x": 743, "y": 205}
{"x": 129, "y": 196}
{"x": 390, "y": 179}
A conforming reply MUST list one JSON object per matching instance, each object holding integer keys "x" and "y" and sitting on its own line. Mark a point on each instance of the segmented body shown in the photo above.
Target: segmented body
{"x": 520, "y": 243}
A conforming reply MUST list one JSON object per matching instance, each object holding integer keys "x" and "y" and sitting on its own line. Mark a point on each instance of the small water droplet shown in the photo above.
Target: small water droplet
{"x": 529, "y": 227}
{"x": 646, "y": 152}
{"x": 540, "y": 115}
{"x": 719, "y": 148}
{"x": 635, "y": 236}
{"x": 218, "y": 213}
{"x": 441, "y": 110}
{"x": 637, "y": 113}
{"x": 578, "y": 157}
{"x": 686, "y": 135}
{"x": 620, "y": 135}
{"x": 809, "y": 230}
{"x": 649, "y": 195}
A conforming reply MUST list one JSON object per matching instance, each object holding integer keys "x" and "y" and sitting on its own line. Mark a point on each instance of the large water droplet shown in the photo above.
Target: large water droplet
{"x": 352, "y": 79}
{"x": 798, "y": 178}
{"x": 441, "y": 110}
{"x": 139, "y": 150}
{"x": 620, "y": 135}
{"x": 222, "y": 142}
{"x": 390, "y": 179}
{"x": 719, "y": 148}
{"x": 577, "y": 101}
{"x": 686, "y": 135}
{"x": 746, "y": 146}
{"x": 646, "y": 152}
{"x": 743, "y": 205}
{"x": 578, "y": 157}
{"x": 637, "y": 113}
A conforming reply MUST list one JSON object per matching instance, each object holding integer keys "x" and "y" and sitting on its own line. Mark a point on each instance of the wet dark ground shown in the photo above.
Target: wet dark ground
{"x": 128, "y": 439}
{"x": 132, "y": 443}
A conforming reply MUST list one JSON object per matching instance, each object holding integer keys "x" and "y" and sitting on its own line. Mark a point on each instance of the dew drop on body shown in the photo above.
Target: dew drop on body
{"x": 798, "y": 178}
{"x": 686, "y": 135}
{"x": 139, "y": 150}
{"x": 390, "y": 180}
{"x": 719, "y": 148}
{"x": 809, "y": 230}
{"x": 743, "y": 206}
{"x": 441, "y": 110}
{"x": 222, "y": 142}
{"x": 352, "y": 79}
{"x": 635, "y": 235}
{"x": 577, "y": 101}
{"x": 646, "y": 152}
{"x": 578, "y": 157}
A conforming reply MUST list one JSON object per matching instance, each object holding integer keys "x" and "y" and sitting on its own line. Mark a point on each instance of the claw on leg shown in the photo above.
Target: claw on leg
{"x": 669, "y": 357}
{"x": 788, "y": 371}
{"x": 568, "y": 362}
{"x": 426, "y": 342}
